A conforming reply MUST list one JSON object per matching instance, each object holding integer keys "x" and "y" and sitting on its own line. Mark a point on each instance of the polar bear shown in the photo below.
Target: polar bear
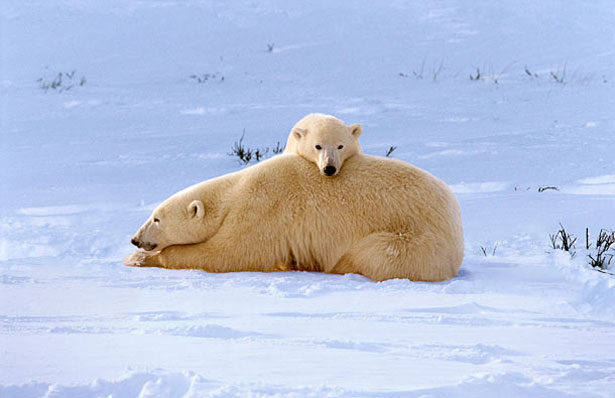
{"x": 324, "y": 140}
{"x": 381, "y": 218}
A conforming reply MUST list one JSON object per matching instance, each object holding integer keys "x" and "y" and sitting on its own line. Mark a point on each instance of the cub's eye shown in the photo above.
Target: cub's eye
{"x": 318, "y": 147}
{"x": 340, "y": 147}
{"x": 156, "y": 219}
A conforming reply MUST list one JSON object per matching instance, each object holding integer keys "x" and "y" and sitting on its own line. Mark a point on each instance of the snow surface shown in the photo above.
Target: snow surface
{"x": 81, "y": 168}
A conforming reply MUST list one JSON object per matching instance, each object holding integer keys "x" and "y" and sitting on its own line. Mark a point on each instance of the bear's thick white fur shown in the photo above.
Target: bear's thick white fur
{"x": 381, "y": 218}
{"x": 324, "y": 140}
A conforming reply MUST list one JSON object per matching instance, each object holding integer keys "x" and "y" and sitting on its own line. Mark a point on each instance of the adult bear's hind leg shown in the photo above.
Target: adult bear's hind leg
{"x": 385, "y": 255}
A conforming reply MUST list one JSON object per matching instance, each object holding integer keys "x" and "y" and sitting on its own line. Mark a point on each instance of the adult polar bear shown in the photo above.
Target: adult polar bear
{"x": 379, "y": 217}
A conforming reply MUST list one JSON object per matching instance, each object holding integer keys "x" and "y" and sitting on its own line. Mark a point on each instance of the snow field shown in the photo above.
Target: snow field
{"x": 82, "y": 168}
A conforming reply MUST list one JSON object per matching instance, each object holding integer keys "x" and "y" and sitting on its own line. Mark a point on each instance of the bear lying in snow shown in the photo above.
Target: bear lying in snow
{"x": 379, "y": 217}
{"x": 324, "y": 140}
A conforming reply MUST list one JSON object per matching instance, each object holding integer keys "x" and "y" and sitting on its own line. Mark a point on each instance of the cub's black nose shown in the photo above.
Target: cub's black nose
{"x": 135, "y": 242}
{"x": 330, "y": 170}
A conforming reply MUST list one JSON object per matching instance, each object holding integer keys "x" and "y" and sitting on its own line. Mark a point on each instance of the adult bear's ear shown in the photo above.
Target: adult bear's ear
{"x": 196, "y": 209}
{"x": 355, "y": 130}
{"x": 299, "y": 133}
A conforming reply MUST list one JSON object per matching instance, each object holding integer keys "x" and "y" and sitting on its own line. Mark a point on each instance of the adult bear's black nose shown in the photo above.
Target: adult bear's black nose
{"x": 135, "y": 242}
{"x": 330, "y": 170}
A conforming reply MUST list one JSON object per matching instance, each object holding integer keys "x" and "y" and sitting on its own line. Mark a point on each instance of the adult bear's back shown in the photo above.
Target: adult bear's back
{"x": 370, "y": 193}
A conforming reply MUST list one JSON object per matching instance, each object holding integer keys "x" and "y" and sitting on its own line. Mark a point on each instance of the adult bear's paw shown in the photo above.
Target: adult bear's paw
{"x": 143, "y": 259}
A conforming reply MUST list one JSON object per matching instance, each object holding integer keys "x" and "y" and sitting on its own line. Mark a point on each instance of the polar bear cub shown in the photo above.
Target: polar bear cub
{"x": 324, "y": 140}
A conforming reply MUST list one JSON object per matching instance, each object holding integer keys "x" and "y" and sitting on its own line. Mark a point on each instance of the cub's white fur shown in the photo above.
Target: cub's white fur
{"x": 325, "y": 141}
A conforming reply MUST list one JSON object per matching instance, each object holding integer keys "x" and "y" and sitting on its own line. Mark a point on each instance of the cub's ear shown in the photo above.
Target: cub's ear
{"x": 299, "y": 133}
{"x": 196, "y": 209}
{"x": 355, "y": 130}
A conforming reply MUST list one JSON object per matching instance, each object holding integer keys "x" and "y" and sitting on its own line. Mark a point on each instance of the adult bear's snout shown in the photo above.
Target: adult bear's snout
{"x": 143, "y": 245}
{"x": 330, "y": 170}
{"x": 148, "y": 246}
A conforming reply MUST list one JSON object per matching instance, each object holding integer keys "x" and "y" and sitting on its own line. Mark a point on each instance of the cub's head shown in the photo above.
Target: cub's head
{"x": 325, "y": 141}
{"x": 180, "y": 220}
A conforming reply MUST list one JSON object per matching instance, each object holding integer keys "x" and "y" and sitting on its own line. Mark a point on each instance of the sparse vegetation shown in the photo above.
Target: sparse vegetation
{"x": 560, "y": 75}
{"x": 488, "y": 74}
{"x": 435, "y": 71}
{"x": 540, "y": 189}
{"x": 487, "y": 251}
{"x": 605, "y": 244}
{"x": 63, "y": 81}
{"x": 390, "y": 151}
{"x": 278, "y": 148}
{"x": 478, "y": 76}
{"x": 483, "y": 74}
{"x": 245, "y": 154}
{"x": 419, "y": 72}
{"x": 604, "y": 247}
{"x": 530, "y": 73}
{"x": 562, "y": 240}
{"x": 204, "y": 77}
{"x": 559, "y": 79}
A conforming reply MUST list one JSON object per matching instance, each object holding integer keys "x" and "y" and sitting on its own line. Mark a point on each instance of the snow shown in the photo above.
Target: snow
{"x": 82, "y": 167}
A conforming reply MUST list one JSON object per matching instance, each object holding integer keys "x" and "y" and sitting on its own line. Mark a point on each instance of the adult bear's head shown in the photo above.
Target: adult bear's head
{"x": 190, "y": 216}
